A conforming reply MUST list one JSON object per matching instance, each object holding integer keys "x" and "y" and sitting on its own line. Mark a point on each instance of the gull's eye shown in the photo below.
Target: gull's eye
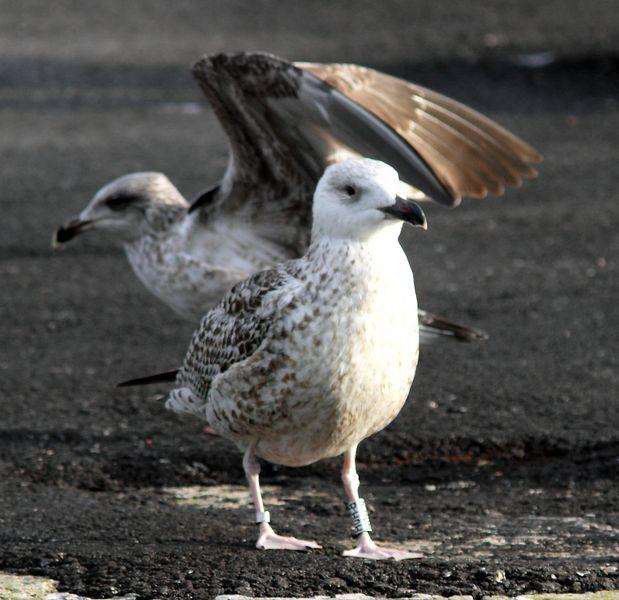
{"x": 350, "y": 190}
{"x": 119, "y": 201}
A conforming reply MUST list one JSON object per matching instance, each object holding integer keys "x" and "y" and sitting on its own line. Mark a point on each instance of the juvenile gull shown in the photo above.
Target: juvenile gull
{"x": 285, "y": 122}
{"x": 303, "y": 361}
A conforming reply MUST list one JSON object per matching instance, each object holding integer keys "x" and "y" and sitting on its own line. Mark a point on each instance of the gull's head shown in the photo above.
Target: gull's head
{"x": 124, "y": 207}
{"x": 357, "y": 198}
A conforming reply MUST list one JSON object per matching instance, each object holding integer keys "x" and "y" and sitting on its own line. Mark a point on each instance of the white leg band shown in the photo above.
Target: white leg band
{"x": 359, "y": 514}
{"x": 263, "y": 517}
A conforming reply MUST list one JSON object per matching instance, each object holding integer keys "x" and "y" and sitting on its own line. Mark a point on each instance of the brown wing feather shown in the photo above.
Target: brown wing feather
{"x": 229, "y": 333}
{"x": 272, "y": 168}
{"x": 285, "y": 122}
{"x": 284, "y": 126}
{"x": 472, "y": 155}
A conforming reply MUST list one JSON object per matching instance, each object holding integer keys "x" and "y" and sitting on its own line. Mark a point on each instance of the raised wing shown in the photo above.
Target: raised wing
{"x": 471, "y": 154}
{"x": 285, "y": 125}
{"x": 285, "y": 122}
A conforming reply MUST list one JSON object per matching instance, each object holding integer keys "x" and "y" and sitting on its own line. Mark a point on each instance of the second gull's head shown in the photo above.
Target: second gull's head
{"x": 124, "y": 206}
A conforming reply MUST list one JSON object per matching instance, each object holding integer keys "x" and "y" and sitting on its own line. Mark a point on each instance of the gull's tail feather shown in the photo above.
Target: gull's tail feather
{"x": 432, "y": 326}
{"x": 165, "y": 377}
{"x": 184, "y": 400}
{"x": 180, "y": 400}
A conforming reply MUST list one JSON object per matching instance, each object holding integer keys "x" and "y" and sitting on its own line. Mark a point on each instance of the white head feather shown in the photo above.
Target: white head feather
{"x": 349, "y": 197}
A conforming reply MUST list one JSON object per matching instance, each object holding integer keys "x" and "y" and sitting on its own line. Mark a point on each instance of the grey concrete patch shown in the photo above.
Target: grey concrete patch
{"x": 233, "y": 496}
{"x": 28, "y": 587}
{"x": 66, "y": 596}
{"x": 25, "y": 587}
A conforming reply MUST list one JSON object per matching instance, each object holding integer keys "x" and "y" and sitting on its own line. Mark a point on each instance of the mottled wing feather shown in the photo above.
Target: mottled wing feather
{"x": 286, "y": 122}
{"x": 272, "y": 170}
{"x": 231, "y": 332}
{"x": 285, "y": 125}
{"x": 471, "y": 154}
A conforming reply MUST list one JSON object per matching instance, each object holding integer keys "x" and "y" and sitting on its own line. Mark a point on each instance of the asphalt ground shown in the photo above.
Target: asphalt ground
{"x": 502, "y": 467}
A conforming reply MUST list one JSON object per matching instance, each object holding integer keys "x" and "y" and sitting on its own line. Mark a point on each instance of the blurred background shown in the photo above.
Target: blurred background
{"x": 507, "y": 451}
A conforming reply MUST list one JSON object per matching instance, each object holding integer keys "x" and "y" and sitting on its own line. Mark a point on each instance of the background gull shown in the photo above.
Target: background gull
{"x": 285, "y": 122}
{"x": 303, "y": 361}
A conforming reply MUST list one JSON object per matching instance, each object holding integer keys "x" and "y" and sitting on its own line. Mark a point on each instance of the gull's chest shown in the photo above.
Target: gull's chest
{"x": 375, "y": 336}
{"x": 338, "y": 369}
{"x": 367, "y": 327}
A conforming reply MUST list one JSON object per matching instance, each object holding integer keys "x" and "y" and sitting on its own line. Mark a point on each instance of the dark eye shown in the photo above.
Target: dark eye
{"x": 119, "y": 201}
{"x": 350, "y": 190}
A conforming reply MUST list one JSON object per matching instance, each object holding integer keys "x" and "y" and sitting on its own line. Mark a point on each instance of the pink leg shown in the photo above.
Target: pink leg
{"x": 366, "y": 547}
{"x": 268, "y": 539}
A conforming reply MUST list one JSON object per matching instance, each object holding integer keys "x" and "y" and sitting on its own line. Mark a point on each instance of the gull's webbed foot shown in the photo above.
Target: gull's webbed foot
{"x": 367, "y": 548}
{"x": 269, "y": 540}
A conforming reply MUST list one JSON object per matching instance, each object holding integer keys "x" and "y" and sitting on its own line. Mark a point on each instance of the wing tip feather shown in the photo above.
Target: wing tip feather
{"x": 165, "y": 377}
{"x": 258, "y": 63}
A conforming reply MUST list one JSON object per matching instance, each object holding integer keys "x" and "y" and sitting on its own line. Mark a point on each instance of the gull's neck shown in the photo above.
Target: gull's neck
{"x": 369, "y": 276}
{"x": 383, "y": 241}
{"x": 160, "y": 218}
{"x": 375, "y": 260}
{"x": 158, "y": 226}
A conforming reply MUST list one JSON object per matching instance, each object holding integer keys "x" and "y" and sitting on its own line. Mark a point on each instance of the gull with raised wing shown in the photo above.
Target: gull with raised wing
{"x": 286, "y": 122}
{"x": 305, "y": 360}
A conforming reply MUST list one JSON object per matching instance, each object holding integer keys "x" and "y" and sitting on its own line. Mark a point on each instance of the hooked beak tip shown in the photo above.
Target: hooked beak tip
{"x": 61, "y": 236}
{"x": 407, "y": 211}
{"x": 68, "y": 231}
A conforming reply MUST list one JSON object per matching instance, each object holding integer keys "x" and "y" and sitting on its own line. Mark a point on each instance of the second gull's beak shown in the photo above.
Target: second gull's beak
{"x": 69, "y": 230}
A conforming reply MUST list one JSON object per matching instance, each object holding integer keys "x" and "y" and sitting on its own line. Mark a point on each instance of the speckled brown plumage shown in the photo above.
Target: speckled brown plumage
{"x": 304, "y": 361}
{"x": 291, "y": 357}
{"x": 231, "y": 332}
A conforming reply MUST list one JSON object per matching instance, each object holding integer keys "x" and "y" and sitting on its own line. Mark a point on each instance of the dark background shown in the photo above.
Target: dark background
{"x": 502, "y": 466}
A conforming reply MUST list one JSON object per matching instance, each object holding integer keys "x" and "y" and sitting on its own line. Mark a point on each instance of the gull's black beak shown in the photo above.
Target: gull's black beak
{"x": 68, "y": 231}
{"x": 406, "y": 210}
